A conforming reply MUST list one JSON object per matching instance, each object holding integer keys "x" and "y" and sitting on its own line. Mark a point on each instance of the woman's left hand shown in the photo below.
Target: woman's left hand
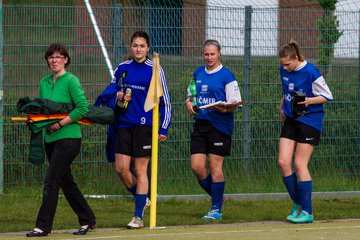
{"x": 223, "y": 108}
{"x": 55, "y": 126}
{"x": 218, "y": 108}
{"x": 306, "y": 102}
{"x": 162, "y": 137}
{"x": 313, "y": 100}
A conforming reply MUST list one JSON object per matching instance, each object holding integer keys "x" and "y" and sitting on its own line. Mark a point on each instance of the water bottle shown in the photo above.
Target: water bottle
{"x": 124, "y": 104}
{"x": 127, "y": 93}
{"x": 192, "y": 88}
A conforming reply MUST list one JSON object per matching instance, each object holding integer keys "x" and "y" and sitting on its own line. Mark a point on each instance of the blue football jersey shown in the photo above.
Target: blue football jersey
{"x": 306, "y": 78}
{"x": 217, "y": 85}
{"x": 137, "y": 77}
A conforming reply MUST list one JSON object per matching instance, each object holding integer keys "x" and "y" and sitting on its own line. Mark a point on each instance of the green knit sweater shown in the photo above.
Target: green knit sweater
{"x": 67, "y": 89}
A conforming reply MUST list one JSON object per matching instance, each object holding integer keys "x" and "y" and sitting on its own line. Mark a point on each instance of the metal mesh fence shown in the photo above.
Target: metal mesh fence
{"x": 250, "y": 37}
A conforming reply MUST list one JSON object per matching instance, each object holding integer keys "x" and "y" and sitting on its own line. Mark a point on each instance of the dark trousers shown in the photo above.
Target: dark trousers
{"x": 60, "y": 155}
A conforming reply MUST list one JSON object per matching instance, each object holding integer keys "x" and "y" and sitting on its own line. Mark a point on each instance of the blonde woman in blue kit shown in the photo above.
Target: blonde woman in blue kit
{"x": 211, "y": 136}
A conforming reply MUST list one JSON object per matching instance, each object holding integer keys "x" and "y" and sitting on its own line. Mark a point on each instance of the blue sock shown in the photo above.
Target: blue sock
{"x": 291, "y": 184}
{"x": 305, "y": 190}
{"x": 206, "y": 184}
{"x": 140, "y": 201}
{"x": 217, "y": 189}
{"x": 132, "y": 190}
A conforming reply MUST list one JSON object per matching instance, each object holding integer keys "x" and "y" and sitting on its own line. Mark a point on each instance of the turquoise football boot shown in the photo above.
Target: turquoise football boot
{"x": 303, "y": 217}
{"x": 295, "y": 211}
{"x": 214, "y": 214}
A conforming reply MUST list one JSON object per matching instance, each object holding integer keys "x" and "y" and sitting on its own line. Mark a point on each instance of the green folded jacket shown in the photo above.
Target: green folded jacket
{"x": 100, "y": 115}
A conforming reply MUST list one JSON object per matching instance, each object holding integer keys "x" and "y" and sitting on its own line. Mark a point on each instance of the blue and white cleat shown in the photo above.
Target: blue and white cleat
{"x": 213, "y": 215}
{"x": 136, "y": 223}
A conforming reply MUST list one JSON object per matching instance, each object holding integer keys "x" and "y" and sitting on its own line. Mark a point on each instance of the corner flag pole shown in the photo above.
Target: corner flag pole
{"x": 152, "y": 102}
{"x": 154, "y": 166}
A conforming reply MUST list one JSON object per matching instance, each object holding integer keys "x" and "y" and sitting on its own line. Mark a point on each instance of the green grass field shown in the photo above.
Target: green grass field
{"x": 181, "y": 218}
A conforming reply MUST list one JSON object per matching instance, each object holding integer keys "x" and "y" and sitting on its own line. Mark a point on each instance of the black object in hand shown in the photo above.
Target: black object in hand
{"x": 298, "y": 109}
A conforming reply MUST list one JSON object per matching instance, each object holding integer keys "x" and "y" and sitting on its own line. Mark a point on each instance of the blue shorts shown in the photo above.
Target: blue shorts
{"x": 300, "y": 132}
{"x": 206, "y": 139}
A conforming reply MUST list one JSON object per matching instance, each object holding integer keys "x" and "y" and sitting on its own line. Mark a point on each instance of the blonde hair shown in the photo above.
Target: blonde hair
{"x": 291, "y": 50}
{"x": 212, "y": 42}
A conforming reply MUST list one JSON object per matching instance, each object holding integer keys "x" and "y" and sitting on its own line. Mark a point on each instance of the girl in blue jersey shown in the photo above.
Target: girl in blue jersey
{"x": 134, "y": 132}
{"x": 213, "y": 127}
{"x": 300, "y": 132}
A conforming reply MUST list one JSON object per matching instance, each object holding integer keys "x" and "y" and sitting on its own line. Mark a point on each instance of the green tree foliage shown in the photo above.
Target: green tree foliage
{"x": 329, "y": 33}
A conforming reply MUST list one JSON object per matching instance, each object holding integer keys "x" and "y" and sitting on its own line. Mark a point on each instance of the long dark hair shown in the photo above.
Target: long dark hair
{"x": 138, "y": 34}
{"x": 141, "y": 34}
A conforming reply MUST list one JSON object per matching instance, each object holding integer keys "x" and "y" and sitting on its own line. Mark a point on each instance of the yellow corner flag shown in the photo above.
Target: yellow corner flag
{"x": 152, "y": 102}
{"x": 155, "y": 88}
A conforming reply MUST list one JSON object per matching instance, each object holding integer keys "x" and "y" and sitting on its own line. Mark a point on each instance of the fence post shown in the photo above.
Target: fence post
{"x": 1, "y": 102}
{"x": 246, "y": 89}
{"x": 118, "y": 46}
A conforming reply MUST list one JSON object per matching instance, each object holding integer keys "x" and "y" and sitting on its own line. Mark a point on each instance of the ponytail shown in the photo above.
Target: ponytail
{"x": 291, "y": 50}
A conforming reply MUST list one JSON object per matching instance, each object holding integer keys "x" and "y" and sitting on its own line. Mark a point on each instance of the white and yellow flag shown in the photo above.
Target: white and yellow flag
{"x": 155, "y": 88}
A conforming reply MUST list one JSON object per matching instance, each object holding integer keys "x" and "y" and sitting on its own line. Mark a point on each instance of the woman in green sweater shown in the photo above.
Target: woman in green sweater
{"x": 62, "y": 144}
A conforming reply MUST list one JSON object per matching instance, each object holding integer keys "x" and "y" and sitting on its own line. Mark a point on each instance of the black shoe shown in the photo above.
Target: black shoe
{"x": 34, "y": 233}
{"x": 84, "y": 230}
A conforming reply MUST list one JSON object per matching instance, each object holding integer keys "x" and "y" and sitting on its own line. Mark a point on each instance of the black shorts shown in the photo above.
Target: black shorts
{"x": 206, "y": 139}
{"x": 300, "y": 132}
{"x": 134, "y": 141}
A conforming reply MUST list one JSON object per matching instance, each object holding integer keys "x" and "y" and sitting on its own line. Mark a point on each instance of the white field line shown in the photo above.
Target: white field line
{"x": 212, "y": 232}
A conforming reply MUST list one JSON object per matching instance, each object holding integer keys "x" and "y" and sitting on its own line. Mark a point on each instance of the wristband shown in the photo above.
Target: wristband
{"x": 60, "y": 124}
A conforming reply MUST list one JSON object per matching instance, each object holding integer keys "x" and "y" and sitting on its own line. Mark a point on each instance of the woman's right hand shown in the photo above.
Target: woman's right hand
{"x": 120, "y": 95}
{"x": 190, "y": 107}
{"x": 281, "y": 110}
{"x": 282, "y": 115}
{"x": 127, "y": 98}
